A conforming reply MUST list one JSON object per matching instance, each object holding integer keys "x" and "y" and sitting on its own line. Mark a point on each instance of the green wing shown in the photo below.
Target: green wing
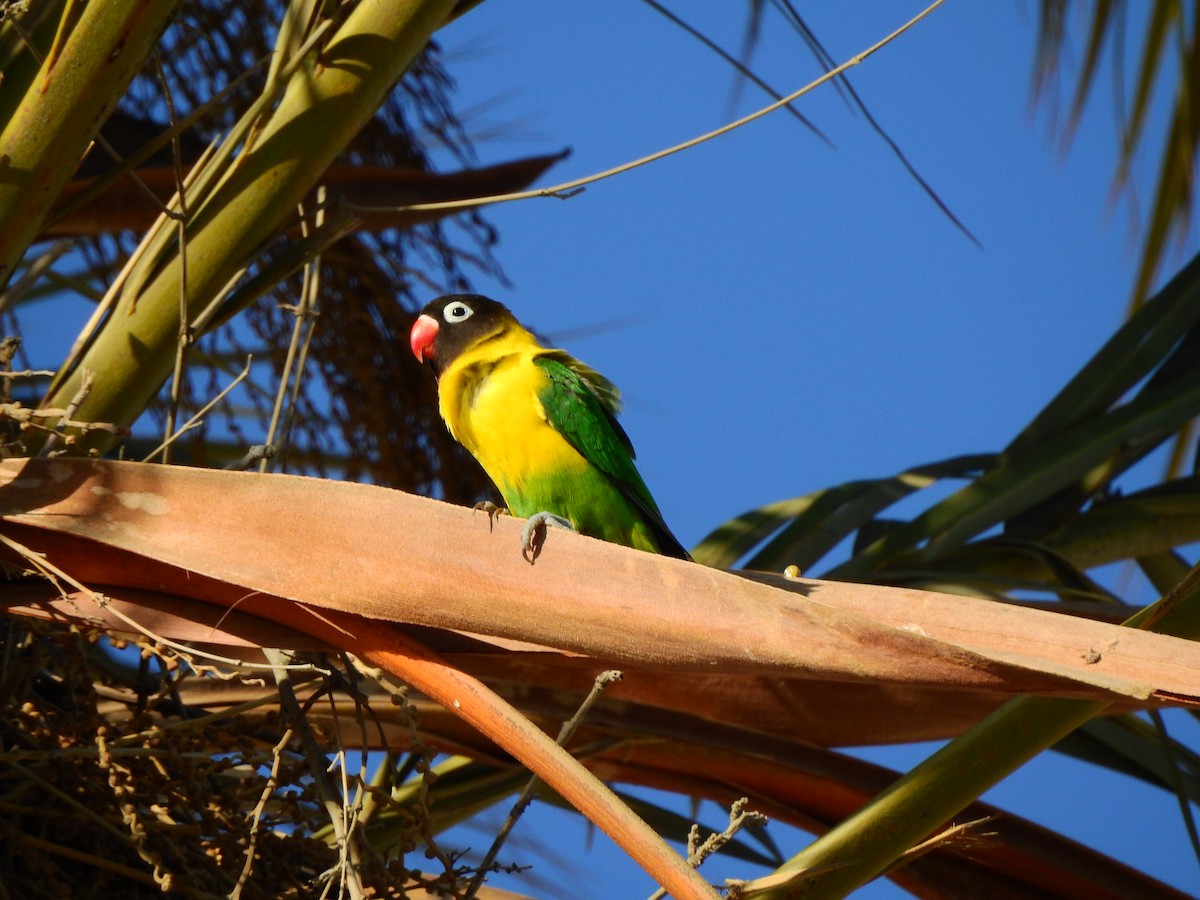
{"x": 581, "y": 405}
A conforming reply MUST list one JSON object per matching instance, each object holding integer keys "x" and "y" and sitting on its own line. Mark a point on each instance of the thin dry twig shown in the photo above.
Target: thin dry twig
{"x": 256, "y": 814}
{"x": 739, "y": 818}
{"x": 67, "y": 415}
{"x": 254, "y": 455}
{"x": 699, "y": 851}
{"x": 305, "y": 313}
{"x": 569, "y": 189}
{"x": 55, "y": 575}
{"x": 420, "y": 761}
{"x": 962, "y": 835}
{"x": 196, "y": 722}
{"x": 28, "y": 416}
{"x": 185, "y": 328}
{"x": 348, "y": 838}
{"x": 198, "y": 419}
{"x": 27, "y": 373}
{"x": 603, "y": 680}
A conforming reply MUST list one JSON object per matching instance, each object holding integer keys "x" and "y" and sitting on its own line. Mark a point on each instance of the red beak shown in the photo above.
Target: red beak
{"x": 424, "y": 333}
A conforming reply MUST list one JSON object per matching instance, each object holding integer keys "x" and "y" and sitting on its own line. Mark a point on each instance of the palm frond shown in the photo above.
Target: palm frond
{"x": 1164, "y": 70}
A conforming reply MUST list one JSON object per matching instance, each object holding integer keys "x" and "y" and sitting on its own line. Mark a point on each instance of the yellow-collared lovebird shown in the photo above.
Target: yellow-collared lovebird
{"x": 541, "y": 423}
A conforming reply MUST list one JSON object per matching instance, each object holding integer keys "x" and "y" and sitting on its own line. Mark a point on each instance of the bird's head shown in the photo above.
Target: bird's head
{"x": 451, "y": 324}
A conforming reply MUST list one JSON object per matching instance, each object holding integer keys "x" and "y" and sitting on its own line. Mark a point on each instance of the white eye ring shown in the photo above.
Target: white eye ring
{"x": 457, "y": 312}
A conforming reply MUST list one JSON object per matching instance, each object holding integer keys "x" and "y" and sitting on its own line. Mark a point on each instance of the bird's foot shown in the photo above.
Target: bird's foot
{"x": 492, "y": 510}
{"x": 534, "y": 534}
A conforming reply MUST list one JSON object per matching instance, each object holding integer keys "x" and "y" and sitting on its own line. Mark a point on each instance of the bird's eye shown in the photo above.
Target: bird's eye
{"x": 457, "y": 311}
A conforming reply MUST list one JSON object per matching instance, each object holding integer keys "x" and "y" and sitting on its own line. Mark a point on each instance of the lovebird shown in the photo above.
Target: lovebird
{"x": 541, "y": 423}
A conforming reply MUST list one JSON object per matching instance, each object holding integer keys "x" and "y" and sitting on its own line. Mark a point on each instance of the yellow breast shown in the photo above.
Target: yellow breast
{"x": 489, "y": 400}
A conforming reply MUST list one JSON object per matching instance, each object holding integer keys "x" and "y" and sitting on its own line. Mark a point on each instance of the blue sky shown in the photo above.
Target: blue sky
{"x": 789, "y": 315}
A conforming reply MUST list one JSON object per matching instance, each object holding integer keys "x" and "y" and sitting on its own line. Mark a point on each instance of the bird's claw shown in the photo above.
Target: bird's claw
{"x": 492, "y": 510}
{"x": 533, "y": 536}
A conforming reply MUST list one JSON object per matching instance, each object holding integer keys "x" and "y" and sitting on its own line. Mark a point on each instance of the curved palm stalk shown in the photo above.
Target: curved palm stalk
{"x": 388, "y": 647}
{"x": 89, "y": 66}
